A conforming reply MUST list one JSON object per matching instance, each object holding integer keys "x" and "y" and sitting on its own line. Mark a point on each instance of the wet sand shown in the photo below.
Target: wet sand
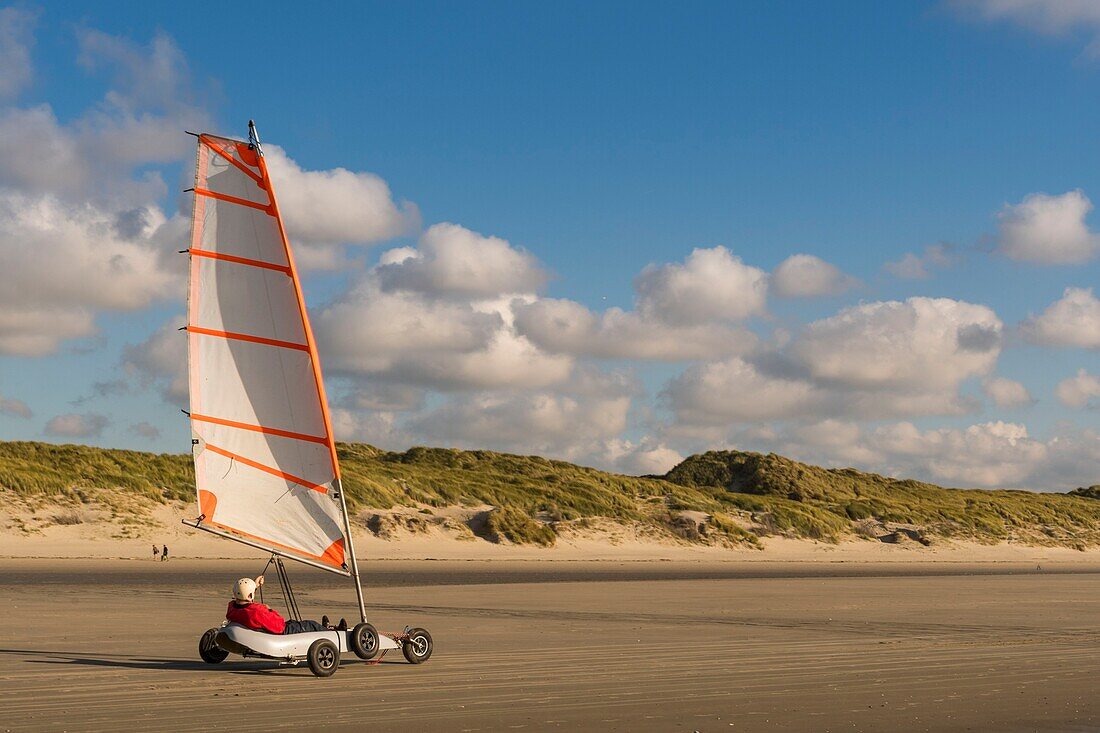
{"x": 110, "y": 645}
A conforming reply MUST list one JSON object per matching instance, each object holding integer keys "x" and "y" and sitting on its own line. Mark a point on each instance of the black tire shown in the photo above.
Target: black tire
{"x": 323, "y": 657}
{"x": 209, "y": 650}
{"x": 364, "y": 641}
{"x": 417, "y": 646}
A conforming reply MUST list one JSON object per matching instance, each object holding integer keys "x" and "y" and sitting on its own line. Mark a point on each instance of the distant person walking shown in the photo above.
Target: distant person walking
{"x": 164, "y": 554}
{"x": 156, "y": 553}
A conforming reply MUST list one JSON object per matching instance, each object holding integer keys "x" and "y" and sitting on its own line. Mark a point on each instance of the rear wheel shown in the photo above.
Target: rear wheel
{"x": 364, "y": 641}
{"x": 417, "y": 646}
{"x": 210, "y": 652}
{"x": 323, "y": 657}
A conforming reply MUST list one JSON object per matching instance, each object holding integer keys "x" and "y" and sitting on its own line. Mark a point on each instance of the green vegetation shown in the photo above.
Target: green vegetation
{"x": 516, "y": 526}
{"x": 721, "y": 497}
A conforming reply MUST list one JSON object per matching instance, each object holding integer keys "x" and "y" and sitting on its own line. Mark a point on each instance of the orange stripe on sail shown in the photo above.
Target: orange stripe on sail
{"x": 266, "y": 208}
{"x": 247, "y": 337}
{"x": 239, "y": 260}
{"x": 328, "y": 558}
{"x": 229, "y": 156}
{"x": 267, "y": 469}
{"x": 323, "y": 440}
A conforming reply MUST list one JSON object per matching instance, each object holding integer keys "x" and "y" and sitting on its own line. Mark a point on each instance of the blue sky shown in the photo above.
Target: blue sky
{"x": 599, "y": 139}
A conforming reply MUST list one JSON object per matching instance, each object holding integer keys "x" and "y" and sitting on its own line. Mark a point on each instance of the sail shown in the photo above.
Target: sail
{"x": 265, "y": 460}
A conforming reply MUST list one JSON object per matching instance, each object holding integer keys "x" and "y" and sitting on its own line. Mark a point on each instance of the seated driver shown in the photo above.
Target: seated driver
{"x": 258, "y": 617}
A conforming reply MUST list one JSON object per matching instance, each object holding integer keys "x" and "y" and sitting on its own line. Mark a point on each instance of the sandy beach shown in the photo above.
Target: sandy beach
{"x": 528, "y": 645}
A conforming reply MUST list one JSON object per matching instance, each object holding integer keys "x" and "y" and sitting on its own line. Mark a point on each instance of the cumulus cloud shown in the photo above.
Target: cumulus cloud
{"x": 991, "y": 454}
{"x": 411, "y": 320}
{"x": 568, "y": 422}
{"x": 1077, "y": 391}
{"x": 807, "y": 276}
{"x": 734, "y": 391}
{"x": 914, "y": 266}
{"x": 1048, "y": 230}
{"x": 647, "y": 457}
{"x": 79, "y": 220}
{"x": 450, "y": 260}
{"x": 565, "y": 326}
{"x": 711, "y": 285}
{"x": 74, "y": 425}
{"x": 15, "y": 408}
{"x": 16, "y": 41}
{"x": 73, "y": 260}
{"x": 337, "y": 206}
{"x": 922, "y": 343}
{"x": 1073, "y": 321}
{"x": 874, "y": 360}
{"x": 683, "y": 311}
{"x": 1006, "y": 392}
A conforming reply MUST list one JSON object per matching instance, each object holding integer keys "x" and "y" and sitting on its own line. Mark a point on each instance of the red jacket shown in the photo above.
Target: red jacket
{"x": 256, "y": 616}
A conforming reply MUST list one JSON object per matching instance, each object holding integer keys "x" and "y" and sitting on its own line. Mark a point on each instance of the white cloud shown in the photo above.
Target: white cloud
{"x": 872, "y": 361}
{"x": 735, "y": 391}
{"x": 647, "y": 457}
{"x": 682, "y": 312}
{"x": 1048, "y": 230}
{"x": 570, "y": 422}
{"x": 337, "y": 206}
{"x": 807, "y": 276}
{"x": 73, "y": 425}
{"x": 16, "y": 42}
{"x": 1077, "y": 391}
{"x": 440, "y": 344}
{"x": 73, "y": 260}
{"x": 15, "y": 408}
{"x": 989, "y": 454}
{"x": 711, "y": 285}
{"x": 1006, "y": 392}
{"x": 1072, "y": 321}
{"x": 919, "y": 267}
{"x": 565, "y": 326}
{"x": 921, "y": 344}
{"x": 451, "y": 260}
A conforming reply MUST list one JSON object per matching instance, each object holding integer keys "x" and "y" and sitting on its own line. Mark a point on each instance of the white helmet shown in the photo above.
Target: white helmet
{"x": 245, "y": 590}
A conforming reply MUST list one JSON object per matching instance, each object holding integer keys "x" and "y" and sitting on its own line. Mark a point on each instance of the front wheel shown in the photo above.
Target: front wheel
{"x": 323, "y": 657}
{"x": 209, "y": 650}
{"x": 364, "y": 641}
{"x": 417, "y": 646}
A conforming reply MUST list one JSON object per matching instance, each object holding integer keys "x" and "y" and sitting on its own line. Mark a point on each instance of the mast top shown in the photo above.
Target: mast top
{"x": 254, "y": 138}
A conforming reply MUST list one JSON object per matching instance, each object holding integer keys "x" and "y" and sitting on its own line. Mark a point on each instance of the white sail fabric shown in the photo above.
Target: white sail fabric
{"x": 265, "y": 460}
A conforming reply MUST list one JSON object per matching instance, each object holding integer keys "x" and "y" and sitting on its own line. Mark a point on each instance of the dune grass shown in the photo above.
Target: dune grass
{"x": 743, "y": 495}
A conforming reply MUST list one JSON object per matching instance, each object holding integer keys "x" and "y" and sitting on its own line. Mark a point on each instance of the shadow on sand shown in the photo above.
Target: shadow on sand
{"x": 120, "y": 661}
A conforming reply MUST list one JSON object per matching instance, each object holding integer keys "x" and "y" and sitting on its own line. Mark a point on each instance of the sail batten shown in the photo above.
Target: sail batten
{"x": 266, "y": 468}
